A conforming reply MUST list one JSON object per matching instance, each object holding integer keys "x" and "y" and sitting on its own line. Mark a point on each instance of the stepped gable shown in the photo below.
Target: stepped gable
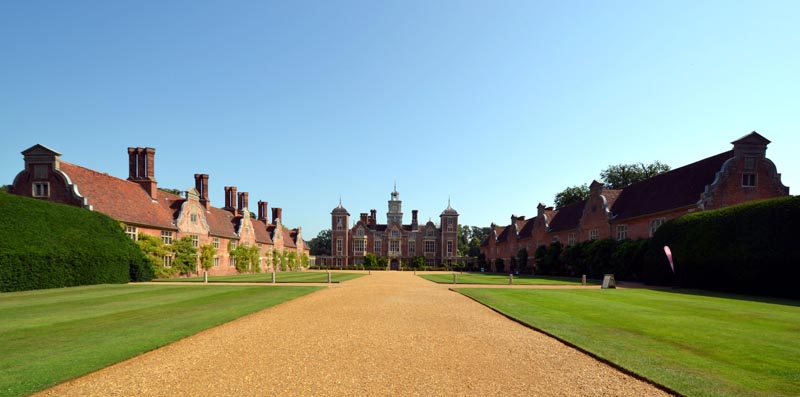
{"x": 671, "y": 190}
{"x": 288, "y": 238}
{"x": 506, "y": 234}
{"x": 120, "y": 199}
{"x": 567, "y": 217}
{"x": 501, "y": 229}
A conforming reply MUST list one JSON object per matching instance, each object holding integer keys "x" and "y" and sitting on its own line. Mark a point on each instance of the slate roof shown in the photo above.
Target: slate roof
{"x": 527, "y": 230}
{"x": 678, "y": 188}
{"x": 567, "y": 217}
{"x": 508, "y": 232}
{"x": 120, "y": 199}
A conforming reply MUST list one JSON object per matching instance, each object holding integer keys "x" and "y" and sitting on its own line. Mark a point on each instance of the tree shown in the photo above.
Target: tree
{"x": 464, "y": 234}
{"x": 383, "y": 262}
{"x": 418, "y": 262}
{"x": 4, "y": 188}
{"x": 622, "y": 175}
{"x": 304, "y": 260}
{"x": 480, "y": 233}
{"x": 474, "y": 247}
{"x": 571, "y": 195}
{"x": 154, "y": 251}
{"x": 185, "y": 261}
{"x": 207, "y": 253}
{"x": 321, "y": 245}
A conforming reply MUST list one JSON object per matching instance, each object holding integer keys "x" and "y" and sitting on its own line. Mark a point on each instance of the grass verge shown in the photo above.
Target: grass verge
{"x": 695, "y": 343}
{"x": 280, "y": 277}
{"x": 493, "y": 278}
{"x": 50, "y": 336}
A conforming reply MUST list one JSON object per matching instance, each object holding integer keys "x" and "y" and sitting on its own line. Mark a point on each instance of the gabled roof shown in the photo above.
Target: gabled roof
{"x": 507, "y": 233}
{"x": 527, "y": 230}
{"x": 221, "y": 223}
{"x": 122, "y": 200}
{"x": 567, "y": 217}
{"x": 678, "y": 188}
{"x": 262, "y": 235}
{"x": 752, "y": 138}
{"x": 40, "y": 149}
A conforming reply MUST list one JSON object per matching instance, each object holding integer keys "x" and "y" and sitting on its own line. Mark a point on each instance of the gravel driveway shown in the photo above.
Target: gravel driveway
{"x": 388, "y": 333}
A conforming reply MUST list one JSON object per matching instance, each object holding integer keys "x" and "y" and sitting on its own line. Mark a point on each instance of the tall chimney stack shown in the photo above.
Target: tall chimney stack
{"x": 262, "y": 211}
{"x": 141, "y": 169}
{"x": 230, "y": 199}
{"x": 243, "y": 202}
{"x": 201, "y": 185}
{"x": 414, "y": 219}
{"x": 276, "y": 215}
{"x": 373, "y": 217}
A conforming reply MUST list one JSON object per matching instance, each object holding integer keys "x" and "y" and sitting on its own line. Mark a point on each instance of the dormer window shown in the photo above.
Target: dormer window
{"x": 430, "y": 233}
{"x": 395, "y": 233}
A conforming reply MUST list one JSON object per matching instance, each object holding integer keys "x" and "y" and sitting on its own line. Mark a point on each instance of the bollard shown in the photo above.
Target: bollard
{"x": 455, "y": 278}
{"x": 273, "y": 277}
{"x": 205, "y": 276}
{"x": 415, "y": 272}
{"x": 369, "y": 272}
{"x": 329, "y": 277}
{"x": 583, "y": 280}
{"x": 510, "y": 279}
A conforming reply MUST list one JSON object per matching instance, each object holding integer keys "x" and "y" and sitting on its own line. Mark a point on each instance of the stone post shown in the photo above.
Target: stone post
{"x": 273, "y": 277}
{"x": 583, "y": 280}
{"x": 329, "y": 277}
{"x": 205, "y": 276}
{"x": 510, "y": 278}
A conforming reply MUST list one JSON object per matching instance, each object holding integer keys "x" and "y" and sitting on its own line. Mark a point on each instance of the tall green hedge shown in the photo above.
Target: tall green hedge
{"x": 748, "y": 248}
{"x": 47, "y": 245}
{"x": 624, "y": 259}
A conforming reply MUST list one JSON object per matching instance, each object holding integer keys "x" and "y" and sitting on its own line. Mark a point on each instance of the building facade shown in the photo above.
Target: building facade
{"x": 141, "y": 207}
{"x": 400, "y": 243}
{"x": 739, "y": 175}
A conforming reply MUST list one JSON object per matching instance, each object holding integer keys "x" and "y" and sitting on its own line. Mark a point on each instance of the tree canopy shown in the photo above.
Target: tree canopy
{"x": 571, "y": 195}
{"x": 321, "y": 245}
{"x": 622, "y": 175}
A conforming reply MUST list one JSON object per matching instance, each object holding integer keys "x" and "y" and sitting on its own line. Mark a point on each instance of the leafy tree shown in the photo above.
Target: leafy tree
{"x": 185, "y": 261}
{"x": 474, "y": 247}
{"x": 370, "y": 261}
{"x": 571, "y": 195}
{"x": 418, "y": 262}
{"x": 4, "y": 188}
{"x": 383, "y": 262}
{"x": 176, "y": 192}
{"x": 622, "y": 175}
{"x": 304, "y": 260}
{"x": 291, "y": 258}
{"x": 480, "y": 233}
{"x": 207, "y": 253}
{"x": 522, "y": 259}
{"x": 464, "y": 234}
{"x": 154, "y": 251}
{"x": 321, "y": 245}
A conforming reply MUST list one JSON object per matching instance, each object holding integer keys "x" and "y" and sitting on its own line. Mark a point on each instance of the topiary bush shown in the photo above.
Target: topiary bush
{"x": 748, "y": 248}
{"x": 48, "y": 245}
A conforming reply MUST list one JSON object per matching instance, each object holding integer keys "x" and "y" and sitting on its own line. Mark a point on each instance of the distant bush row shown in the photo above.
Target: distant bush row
{"x": 593, "y": 258}
{"x": 47, "y": 245}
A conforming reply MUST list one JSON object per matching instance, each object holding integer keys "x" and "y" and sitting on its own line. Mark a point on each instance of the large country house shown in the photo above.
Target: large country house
{"x": 736, "y": 176}
{"x": 141, "y": 207}
{"x": 398, "y": 242}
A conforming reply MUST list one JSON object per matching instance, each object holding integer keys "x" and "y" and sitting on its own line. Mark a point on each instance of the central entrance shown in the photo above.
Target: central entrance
{"x": 394, "y": 264}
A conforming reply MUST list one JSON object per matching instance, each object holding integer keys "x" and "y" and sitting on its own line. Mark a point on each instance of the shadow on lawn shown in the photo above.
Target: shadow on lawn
{"x": 728, "y": 295}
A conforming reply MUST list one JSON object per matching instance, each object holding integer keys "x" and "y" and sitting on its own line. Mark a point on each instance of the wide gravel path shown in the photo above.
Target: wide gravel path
{"x": 388, "y": 333}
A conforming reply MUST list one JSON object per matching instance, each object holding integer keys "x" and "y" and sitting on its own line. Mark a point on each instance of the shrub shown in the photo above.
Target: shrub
{"x": 48, "y": 245}
{"x": 748, "y": 248}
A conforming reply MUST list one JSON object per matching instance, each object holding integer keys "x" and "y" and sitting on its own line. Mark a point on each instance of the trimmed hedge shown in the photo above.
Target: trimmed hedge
{"x": 48, "y": 245}
{"x": 593, "y": 258}
{"x": 748, "y": 248}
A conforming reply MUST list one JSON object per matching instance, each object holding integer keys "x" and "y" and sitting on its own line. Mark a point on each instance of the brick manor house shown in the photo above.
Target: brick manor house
{"x": 142, "y": 208}
{"x": 400, "y": 243}
{"x": 733, "y": 177}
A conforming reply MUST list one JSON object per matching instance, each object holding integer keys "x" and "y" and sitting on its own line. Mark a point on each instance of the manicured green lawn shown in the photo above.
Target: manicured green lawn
{"x": 50, "y": 336}
{"x": 493, "y": 278}
{"x": 696, "y": 343}
{"x": 280, "y": 277}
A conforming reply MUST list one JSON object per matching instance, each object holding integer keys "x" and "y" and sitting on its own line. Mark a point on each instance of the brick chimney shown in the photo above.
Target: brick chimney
{"x": 276, "y": 215}
{"x": 365, "y": 218}
{"x": 230, "y": 199}
{"x": 414, "y": 219}
{"x": 243, "y": 202}
{"x": 262, "y": 211}
{"x": 373, "y": 217}
{"x": 201, "y": 185}
{"x": 141, "y": 169}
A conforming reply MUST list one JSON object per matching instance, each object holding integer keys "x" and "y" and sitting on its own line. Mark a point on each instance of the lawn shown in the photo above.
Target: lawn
{"x": 50, "y": 336}
{"x": 280, "y": 277}
{"x": 493, "y": 278}
{"x": 696, "y": 343}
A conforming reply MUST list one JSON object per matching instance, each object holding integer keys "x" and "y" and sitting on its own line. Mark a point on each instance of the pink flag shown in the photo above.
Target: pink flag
{"x": 669, "y": 256}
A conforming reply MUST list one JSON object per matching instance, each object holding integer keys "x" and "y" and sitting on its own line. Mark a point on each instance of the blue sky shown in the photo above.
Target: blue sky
{"x": 497, "y": 105}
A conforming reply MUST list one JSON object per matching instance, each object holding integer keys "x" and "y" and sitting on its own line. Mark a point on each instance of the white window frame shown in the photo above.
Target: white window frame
{"x": 339, "y": 246}
{"x": 622, "y": 232}
{"x": 655, "y": 224}
{"x": 449, "y": 224}
{"x": 571, "y": 239}
{"x": 749, "y": 179}
{"x": 216, "y": 261}
{"x": 449, "y": 247}
{"x": 40, "y": 189}
{"x": 430, "y": 247}
{"x": 215, "y": 241}
{"x": 167, "y": 260}
{"x": 412, "y": 247}
{"x": 359, "y": 245}
{"x": 394, "y": 246}
{"x": 195, "y": 240}
{"x": 593, "y": 234}
{"x": 166, "y": 237}
{"x": 377, "y": 246}
{"x": 132, "y": 232}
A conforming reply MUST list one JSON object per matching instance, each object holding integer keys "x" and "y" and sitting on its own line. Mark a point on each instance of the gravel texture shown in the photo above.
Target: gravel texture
{"x": 389, "y": 333}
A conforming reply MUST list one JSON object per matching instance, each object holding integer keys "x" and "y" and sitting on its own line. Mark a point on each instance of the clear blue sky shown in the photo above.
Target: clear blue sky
{"x": 498, "y": 105}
